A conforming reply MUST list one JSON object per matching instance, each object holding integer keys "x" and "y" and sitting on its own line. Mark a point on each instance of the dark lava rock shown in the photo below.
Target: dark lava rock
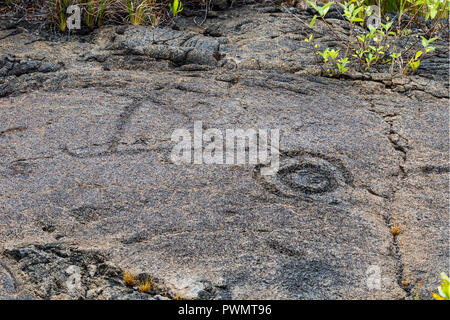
{"x": 10, "y": 66}
{"x": 86, "y": 150}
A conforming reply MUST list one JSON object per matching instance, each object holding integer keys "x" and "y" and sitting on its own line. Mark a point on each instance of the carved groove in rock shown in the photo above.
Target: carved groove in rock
{"x": 306, "y": 176}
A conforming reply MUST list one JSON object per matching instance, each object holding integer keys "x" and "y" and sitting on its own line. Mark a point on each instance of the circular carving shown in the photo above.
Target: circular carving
{"x": 305, "y": 175}
{"x": 307, "y": 178}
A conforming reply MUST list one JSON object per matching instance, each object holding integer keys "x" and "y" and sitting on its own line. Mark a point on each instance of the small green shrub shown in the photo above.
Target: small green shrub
{"x": 443, "y": 289}
{"x": 176, "y": 7}
{"x": 376, "y": 45}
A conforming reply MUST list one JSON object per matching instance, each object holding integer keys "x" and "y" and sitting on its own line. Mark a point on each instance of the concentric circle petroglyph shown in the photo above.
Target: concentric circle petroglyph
{"x": 305, "y": 175}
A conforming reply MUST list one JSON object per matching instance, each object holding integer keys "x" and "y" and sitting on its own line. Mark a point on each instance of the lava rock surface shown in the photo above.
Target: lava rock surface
{"x": 88, "y": 189}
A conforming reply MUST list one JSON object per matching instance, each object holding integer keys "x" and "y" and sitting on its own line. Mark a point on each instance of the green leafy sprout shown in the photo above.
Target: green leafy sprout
{"x": 176, "y": 7}
{"x": 443, "y": 289}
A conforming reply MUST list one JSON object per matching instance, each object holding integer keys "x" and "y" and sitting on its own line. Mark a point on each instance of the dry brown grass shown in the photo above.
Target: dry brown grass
{"x": 129, "y": 279}
{"x": 96, "y": 13}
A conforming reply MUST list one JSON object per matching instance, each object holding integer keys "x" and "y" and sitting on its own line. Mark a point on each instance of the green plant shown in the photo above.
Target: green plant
{"x": 342, "y": 64}
{"x": 411, "y": 5}
{"x": 101, "y": 12}
{"x": 414, "y": 62}
{"x": 443, "y": 289}
{"x": 374, "y": 45}
{"x": 62, "y": 6}
{"x": 176, "y": 7}
{"x": 135, "y": 11}
{"x": 90, "y": 18}
{"x": 93, "y": 11}
{"x": 96, "y": 13}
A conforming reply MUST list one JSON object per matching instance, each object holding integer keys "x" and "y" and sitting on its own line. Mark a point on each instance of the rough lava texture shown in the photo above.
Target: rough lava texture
{"x": 88, "y": 189}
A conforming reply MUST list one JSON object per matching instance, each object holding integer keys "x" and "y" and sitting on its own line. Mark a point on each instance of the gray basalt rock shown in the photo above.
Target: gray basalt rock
{"x": 176, "y": 46}
{"x": 88, "y": 189}
{"x": 10, "y": 66}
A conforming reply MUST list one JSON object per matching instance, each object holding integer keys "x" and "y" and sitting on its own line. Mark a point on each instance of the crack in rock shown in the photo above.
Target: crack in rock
{"x": 400, "y": 144}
